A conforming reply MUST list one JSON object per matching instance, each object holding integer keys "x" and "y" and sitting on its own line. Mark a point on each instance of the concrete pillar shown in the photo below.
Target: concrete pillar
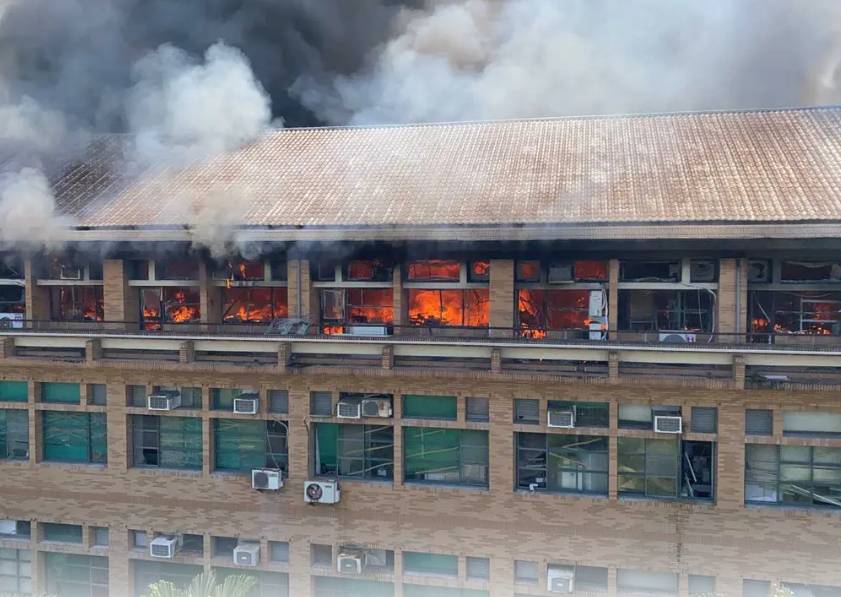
{"x": 210, "y": 296}
{"x": 120, "y": 301}
{"x": 502, "y": 297}
{"x": 613, "y": 298}
{"x": 37, "y": 297}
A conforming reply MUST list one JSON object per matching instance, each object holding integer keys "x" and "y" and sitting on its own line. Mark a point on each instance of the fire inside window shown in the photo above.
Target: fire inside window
{"x": 169, "y": 305}
{"x": 367, "y": 270}
{"x": 583, "y": 270}
{"x": 76, "y": 303}
{"x": 240, "y": 271}
{"x": 434, "y": 270}
{"x": 354, "y": 306}
{"x": 467, "y": 307}
{"x": 254, "y": 305}
{"x": 815, "y": 313}
{"x": 176, "y": 269}
{"x": 553, "y": 309}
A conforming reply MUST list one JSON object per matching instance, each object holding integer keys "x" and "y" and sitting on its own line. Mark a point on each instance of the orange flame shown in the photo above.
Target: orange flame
{"x": 449, "y": 307}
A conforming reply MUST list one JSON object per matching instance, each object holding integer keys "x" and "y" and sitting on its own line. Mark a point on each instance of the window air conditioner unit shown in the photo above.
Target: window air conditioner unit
{"x": 677, "y": 337}
{"x": 266, "y": 479}
{"x": 9, "y": 321}
{"x": 247, "y": 554}
{"x": 560, "y": 580}
{"x": 70, "y": 273}
{"x": 164, "y": 547}
{"x": 668, "y": 424}
{"x": 376, "y": 407}
{"x": 164, "y": 400}
{"x": 367, "y": 330}
{"x": 246, "y": 404}
{"x": 322, "y": 492}
{"x": 350, "y": 563}
{"x": 561, "y": 419}
{"x": 348, "y": 410}
{"x": 560, "y": 273}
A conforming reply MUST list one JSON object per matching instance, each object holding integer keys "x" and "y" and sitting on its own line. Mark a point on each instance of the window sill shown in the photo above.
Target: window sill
{"x": 177, "y": 472}
{"x": 794, "y": 509}
{"x": 565, "y": 494}
{"x": 445, "y": 486}
{"x": 81, "y": 466}
{"x": 666, "y": 500}
{"x": 354, "y": 480}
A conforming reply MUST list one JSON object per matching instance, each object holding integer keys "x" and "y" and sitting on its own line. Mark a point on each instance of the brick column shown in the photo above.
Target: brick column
{"x": 206, "y": 443}
{"x": 37, "y": 570}
{"x": 401, "y": 307}
{"x": 119, "y": 572}
{"x": 120, "y": 301}
{"x": 613, "y": 366}
{"x": 303, "y": 300}
{"x": 397, "y": 411}
{"x": 613, "y": 296}
{"x": 501, "y": 444}
{"x": 210, "y": 296}
{"x": 7, "y": 348}
{"x": 502, "y": 577}
{"x": 502, "y": 297}
{"x": 37, "y": 297}
{"x": 730, "y": 462}
{"x": 738, "y": 372}
{"x": 731, "y": 305}
{"x": 299, "y": 440}
{"x": 118, "y": 428}
{"x": 186, "y": 352}
{"x": 300, "y": 583}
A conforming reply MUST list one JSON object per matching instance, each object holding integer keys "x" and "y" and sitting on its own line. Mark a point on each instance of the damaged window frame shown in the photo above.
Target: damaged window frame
{"x": 274, "y": 277}
{"x": 153, "y": 282}
{"x": 468, "y": 279}
{"x": 544, "y": 313}
{"x": 774, "y": 315}
{"x": 336, "y": 291}
{"x": 12, "y": 292}
{"x": 78, "y": 277}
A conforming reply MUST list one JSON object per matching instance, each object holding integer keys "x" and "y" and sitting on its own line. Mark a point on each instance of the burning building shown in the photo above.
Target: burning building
{"x": 498, "y": 358}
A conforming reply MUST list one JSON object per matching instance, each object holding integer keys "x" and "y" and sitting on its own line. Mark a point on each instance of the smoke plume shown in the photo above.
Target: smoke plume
{"x": 27, "y": 211}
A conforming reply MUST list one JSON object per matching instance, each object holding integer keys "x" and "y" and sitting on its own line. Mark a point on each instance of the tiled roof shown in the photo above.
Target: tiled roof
{"x": 739, "y": 167}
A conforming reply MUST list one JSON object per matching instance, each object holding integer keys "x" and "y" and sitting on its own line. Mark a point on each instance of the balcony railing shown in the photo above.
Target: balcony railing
{"x": 300, "y": 329}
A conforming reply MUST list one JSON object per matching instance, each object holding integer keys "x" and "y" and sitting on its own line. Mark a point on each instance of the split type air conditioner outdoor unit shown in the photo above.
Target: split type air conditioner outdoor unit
{"x": 246, "y": 404}
{"x": 561, "y": 419}
{"x": 164, "y": 400}
{"x": 376, "y": 407}
{"x": 677, "y": 337}
{"x": 560, "y": 580}
{"x": 164, "y": 547}
{"x": 350, "y": 563}
{"x": 266, "y": 479}
{"x": 346, "y": 409}
{"x": 322, "y": 492}
{"x": 668, "y": 424}
{"x": 247, "y": 554}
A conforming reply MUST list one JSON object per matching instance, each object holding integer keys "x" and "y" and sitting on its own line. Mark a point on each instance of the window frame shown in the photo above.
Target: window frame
{"x": 461, "y": 461}
{"x": 547, "y": 452}
{"x": 369, "y": 467}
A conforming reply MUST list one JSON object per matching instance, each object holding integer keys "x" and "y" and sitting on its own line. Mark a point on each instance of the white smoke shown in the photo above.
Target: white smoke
{"x": 489, "y": 59}
{"x": 27, "y": 210}
{"x": 181, "y": 110}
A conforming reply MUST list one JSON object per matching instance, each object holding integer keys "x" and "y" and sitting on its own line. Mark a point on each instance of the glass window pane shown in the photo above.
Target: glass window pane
{"x": 14, "y": 391}
{"x": 64, "y": 393}
{"x": 239, "y": 445}
{"x": 430, "y": 407}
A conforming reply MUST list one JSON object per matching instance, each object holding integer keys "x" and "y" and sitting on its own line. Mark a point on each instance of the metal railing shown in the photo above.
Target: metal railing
{"x": 293, "y": 328}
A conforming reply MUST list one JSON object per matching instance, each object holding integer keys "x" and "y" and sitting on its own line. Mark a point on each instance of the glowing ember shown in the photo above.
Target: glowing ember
{"x": 528, "y": 271}
{"x": 434, "y": 269}
{"x": 595, "y": 271}
{"x": 449, "y": 307}
{"x": 480, "y": 270}
{"x": 254, "y": 305}
{"x": 553, "y": 309}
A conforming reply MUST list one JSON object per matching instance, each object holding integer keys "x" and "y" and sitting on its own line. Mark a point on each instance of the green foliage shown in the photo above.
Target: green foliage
{"x": 204, "y": 585}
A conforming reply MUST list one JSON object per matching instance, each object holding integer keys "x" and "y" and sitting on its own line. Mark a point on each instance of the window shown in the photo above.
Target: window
{"x": 455, "y": 307}
{"x": 99, "y": 536}
{"x": 433, "y": 270}
{"x": 15, "y": 529}
{"x": 62, "y": 393}
{"x": 176, "y": 269}
{"x": 478, "y": 568}
{"x": 525, "y": 571}
{"x": 321, "y": 555}
{"x": 641, "y": 416}
{"x": 803, "y": 312}
{"x": 266, "y": 584}
{"x": 678, "y": 310}
{"x": 15, "y": 571}
{"x": 148, "y": 573}
{"x": 254, "y": 305}
{"x": 477, "y": 409}
{"x": 367, "y": 270}
{"x": 139, "y": 539}
{"x": 442, "y": 408}
{"x": 224, "y": 546}
{"x": 14, "y": 391}
{"x": 71, "y": 574}
{"x": 701, "y": 585}
{"x": 549, "y": 309}
{"x": 14, "y": 434}
{"x": 278, "y": 268}
{"x": 811, "y": 424}
{"x": 665, "y": 468}
{"x": 326, "y": 586}
{"x": 756, "y": 588}
{"x": 704, "y": 419}
{"x": 191, "y": 397}
{"x": 526, "y": 411}
{"x": 415, "y": 562}
{"x": 136, "y": 395}
{"x": 323, "y": 270}
{"x": 169, "y": 305}
{"x": 804, "y": 590}
{"x": 590, "y": 578}
{"x": 793, "y": 475}
{"x": 61, "y": 533}
{"x": 587, "y": 414}
{"x": 97, "y": 394}
{"x": 167, "y": 442}
{"x": 646, "y": 582}
{"x": 361, "y": 451}
{"x": 192, "y": 544}
{"x": 223, "y": 398}
{"x": 279, "y": 551}
{"x": 479, "y": 271}
{"x": 528, "y": 271}
{"x": 453, "y": 456}
{"x": 240, "y": 270}
{"x": 759, "y": 422}
{"x": 568, "y": 463}
{"x": 650, "y": 271}
{"x": 75, "y": 437}
{"x": 355, "y": 306}
{"x": 321, "y": 404}
{"x": 278, "y": 401}
{"x": 806, "y": 271}
{"x": 76, "y": 303}
{"x": 245, "y": 445}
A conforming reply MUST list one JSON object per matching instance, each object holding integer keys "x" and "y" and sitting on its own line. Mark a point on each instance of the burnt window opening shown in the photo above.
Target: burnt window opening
{"x": 433, "y": 270}
{"x": 240, "y": 270}
{"x": 562, "y": 272}
{"x": 367, "y": 270}
{"x": 254, "y": 305}
{"x": 541, "y": 309}
{"x": 11, "y": 268}
{"x": 63, "y": 267}
{"x": 656, "y": 310}
{"x": 176, "y": 269}
{"x": 323, "y": 270}
{"x": 76, "y": 303}
{"x": 12, "y": 299}
{"x": 810, "y": 271}
{"x": 138, "y": 269}
{"x": 279, "y": 270}
{"x": 650, "y": 271}
{"x": 528, "y": 271}
{"x": 456, "y": 307}
{"x": 806, "y": 313}
{"x": 169, "y": 305}
{"x": 759, "y": 272}
{"x": 479, "y": 271}
{"x": 342, "y": 307}
{"x": 703, "y": 271}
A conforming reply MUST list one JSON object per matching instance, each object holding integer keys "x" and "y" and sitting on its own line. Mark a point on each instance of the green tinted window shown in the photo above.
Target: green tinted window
{"x": 14, "y": 391}
{"x": 63, "y": 393}
{"x": 430, "y": 407}
{"x": 361, "y": 451}
{"x": 453, "y": 456}
{"x": 223, "y": 398}
{"x": 75, "y": 437}
{"x": 415, "y": 562}
{"x": 246, "y": 445}
{"x": 14, "y": 434}
{"x": 71, "y": 574}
